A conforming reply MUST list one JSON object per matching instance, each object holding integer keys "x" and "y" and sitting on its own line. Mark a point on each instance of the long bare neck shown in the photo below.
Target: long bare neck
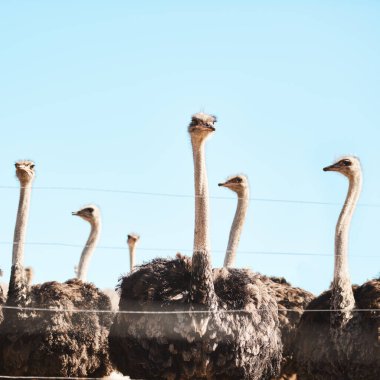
{"x": 202, "y": 286}
{"x": 201, "y": 227}
{"x": 21, "y": 223}
{"x": 342, "y": 294}
{"x": 17, "y": 291}
{"x": 236, "y": 229}
{"x": 132, "y": 254}
{"x": 88, "y": 250}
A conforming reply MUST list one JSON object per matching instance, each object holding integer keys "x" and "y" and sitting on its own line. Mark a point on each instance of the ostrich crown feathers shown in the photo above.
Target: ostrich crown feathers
{"x": 347, "y": 156}
{"x": 202, "y": 120}
{"x": 242, "y": 176}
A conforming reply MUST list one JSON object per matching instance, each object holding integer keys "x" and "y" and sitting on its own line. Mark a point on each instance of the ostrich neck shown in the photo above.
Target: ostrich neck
{"x": 132, "y": 250}
{"x": 342, "y": 295}
{"x": 202, "y": 286}
{"x": 88, "y": 250}
{"x": 21, "y": 222}
{"x": 236, "y": 229}
{"x": 18, "y": 290}
{"x": 201, "y": 238}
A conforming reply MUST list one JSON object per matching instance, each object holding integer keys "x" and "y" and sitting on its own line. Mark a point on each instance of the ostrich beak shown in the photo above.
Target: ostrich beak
{"x": 222, "y": 184}
{"x": 333, "y": 167}
{"x": 208, "y": 128}
{"x": 74, "y": 213}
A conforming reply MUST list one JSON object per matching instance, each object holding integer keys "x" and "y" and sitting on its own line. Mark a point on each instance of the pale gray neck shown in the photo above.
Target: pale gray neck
{"x": 201, "y": 228}
{"x": 88, "y": 250}
{"x": 132, "y": 252}
{"x": 236, "y": 229}
{"x": 202, "y": 287}
{"x": 342, "y": 295}
{"x": 21, "y": 223}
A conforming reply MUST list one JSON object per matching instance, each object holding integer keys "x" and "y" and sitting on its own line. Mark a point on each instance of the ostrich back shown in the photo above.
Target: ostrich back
{"x": 209, "y": 345}
{"x": 291, "y": 303}
{"x": 44, "y": 343}
{"x": 355, "y": 356}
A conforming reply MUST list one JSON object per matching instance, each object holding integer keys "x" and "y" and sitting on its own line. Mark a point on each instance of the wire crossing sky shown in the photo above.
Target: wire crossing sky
{"x": 99, "y": 94}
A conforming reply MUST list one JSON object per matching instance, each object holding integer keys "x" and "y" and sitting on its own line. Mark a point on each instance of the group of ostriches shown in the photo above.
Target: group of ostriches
{"x": 180, "y": 318}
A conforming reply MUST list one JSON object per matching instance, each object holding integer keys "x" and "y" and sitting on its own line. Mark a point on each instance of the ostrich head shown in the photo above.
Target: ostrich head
{"x": 29, "y": 274}
{"x": 201, "y": 126}
{"x": 25, "y": 171}
{"x": 238, "y": 184}
{"x": 133, "y": 239}
{"x": 349, "y": 166}
{"x": 89, "y": 213}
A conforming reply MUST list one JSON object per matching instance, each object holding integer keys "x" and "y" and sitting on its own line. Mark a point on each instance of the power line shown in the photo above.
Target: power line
{"x": 174, "y": 250}
{"x": 174, "y": 195}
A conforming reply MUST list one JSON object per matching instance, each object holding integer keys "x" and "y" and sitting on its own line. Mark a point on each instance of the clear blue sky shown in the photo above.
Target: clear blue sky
{"x": 99, "y": 95}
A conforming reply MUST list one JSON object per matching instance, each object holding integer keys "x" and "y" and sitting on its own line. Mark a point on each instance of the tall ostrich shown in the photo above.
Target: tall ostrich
{"x": 287, "y": 296}
{"x": 343, "y": 343}
{"x": 132, "y": 241}
{"x": 48, "y": 343}
{"x": 221, "y": 324}
{"x": 90, "y": 214}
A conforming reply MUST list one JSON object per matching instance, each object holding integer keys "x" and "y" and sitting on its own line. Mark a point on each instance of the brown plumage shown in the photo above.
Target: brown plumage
{"x": 166, "y": 346}
{"x": 44, "y": 343}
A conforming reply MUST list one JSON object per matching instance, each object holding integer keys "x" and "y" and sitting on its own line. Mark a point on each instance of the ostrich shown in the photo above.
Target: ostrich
{"x": 287, "y": 296}
{"x": 90, "y": 214}
{"x": 49, "y": 343}
{"x": 238, "y": 184}
{"x": 132, "y": 241}
{"x": 229, "y": 324}
{"x": 343, "y": 343}
{"x": 29, "y": 275}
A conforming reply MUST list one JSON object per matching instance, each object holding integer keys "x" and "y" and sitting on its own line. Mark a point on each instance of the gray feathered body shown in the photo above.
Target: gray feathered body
{"x": 355, "y": 355}
{"x": 44, "y": 343}
{"x": 208, "y": 345}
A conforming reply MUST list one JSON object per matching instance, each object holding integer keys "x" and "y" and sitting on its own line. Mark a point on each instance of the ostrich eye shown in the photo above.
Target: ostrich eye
{"x": 238, "y": 180}
{"x": 347, "y": 162}
{"x": 32, "y": 166}
{"x": 89, "y": 209}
